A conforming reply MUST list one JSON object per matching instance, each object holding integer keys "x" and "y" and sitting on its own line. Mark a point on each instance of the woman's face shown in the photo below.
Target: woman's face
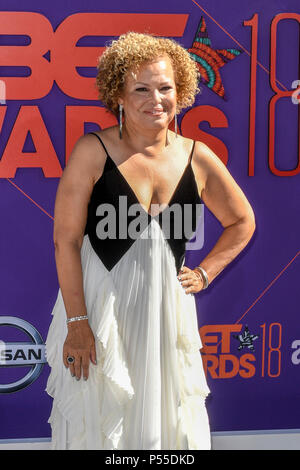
{"x": 149, "y": 96}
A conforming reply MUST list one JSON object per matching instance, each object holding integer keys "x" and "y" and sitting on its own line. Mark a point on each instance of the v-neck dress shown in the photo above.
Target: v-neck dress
{"x": 148, "y": 390}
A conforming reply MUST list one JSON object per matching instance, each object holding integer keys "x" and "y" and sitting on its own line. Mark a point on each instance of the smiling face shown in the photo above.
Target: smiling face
{"x": 149, "y": 96}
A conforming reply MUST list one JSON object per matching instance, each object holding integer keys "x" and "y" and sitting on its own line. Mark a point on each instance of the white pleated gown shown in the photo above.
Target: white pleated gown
{"x": 148, "y": 388}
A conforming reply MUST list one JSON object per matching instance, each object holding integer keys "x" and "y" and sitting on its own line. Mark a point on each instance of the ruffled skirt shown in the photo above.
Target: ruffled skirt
{"x": 148, "y": 388}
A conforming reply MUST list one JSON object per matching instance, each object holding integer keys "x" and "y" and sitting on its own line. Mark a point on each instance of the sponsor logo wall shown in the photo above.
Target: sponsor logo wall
{"x": 247, "y": 112}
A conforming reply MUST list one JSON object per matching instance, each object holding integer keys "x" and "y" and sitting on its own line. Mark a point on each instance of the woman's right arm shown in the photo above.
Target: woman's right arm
{"x": 70, "y": 216}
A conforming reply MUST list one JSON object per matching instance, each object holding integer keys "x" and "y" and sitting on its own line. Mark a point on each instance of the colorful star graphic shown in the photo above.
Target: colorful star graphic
{"x": 209, "y": 60}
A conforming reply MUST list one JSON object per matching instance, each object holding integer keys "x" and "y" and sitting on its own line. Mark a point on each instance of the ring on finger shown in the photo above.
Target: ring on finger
{"x": 70, "y": 359}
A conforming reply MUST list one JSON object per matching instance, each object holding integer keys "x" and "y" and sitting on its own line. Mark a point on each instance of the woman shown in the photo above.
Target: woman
{"x": 126, "y": 367}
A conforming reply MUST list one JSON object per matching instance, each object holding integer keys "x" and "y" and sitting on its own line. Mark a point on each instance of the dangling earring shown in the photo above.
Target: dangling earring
{"x": 175, "y": 124}
{"x": 120, "y": 120}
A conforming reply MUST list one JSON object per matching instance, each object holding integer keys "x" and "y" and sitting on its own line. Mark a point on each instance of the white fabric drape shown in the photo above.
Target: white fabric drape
{"x": 148, "y": 388}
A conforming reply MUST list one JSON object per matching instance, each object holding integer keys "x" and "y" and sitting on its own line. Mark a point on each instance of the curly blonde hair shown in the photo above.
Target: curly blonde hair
{"x": 132, "y": 50}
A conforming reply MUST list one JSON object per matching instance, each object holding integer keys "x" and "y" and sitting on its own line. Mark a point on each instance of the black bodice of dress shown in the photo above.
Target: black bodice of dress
{"x": 107, "y": 206}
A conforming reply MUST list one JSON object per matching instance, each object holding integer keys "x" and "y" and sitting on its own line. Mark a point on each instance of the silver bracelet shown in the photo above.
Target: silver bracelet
{"x": 203, "y": 275}
{"x": 82, "y": 317}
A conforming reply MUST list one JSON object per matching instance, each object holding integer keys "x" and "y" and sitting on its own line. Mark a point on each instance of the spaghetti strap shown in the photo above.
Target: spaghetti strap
{"x": 191, "y": 154}
{"x": 101, "y": 143}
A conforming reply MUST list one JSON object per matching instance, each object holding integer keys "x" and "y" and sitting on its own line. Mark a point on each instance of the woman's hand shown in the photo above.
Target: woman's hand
{"x": 191, "y": 280}
{"x": 79, "y": 343}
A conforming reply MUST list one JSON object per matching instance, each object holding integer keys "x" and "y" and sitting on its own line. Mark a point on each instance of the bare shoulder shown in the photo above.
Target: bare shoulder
{"x": 86, "y": 156}
{"x": 87, "y": 159}
{"x": 205, "y": 157}
{"x": 108, "y": 135}
{"x": 185, "y": 143}
{"x": 85, "y": 162}
{"x": 221, "y": 193}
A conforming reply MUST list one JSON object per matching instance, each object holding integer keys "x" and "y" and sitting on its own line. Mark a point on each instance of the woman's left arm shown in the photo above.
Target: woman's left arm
{"x": 225, "y": 199}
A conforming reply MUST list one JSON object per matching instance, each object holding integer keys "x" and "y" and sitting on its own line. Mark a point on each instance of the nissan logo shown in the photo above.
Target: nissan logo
{"x": 22, "y": 354}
